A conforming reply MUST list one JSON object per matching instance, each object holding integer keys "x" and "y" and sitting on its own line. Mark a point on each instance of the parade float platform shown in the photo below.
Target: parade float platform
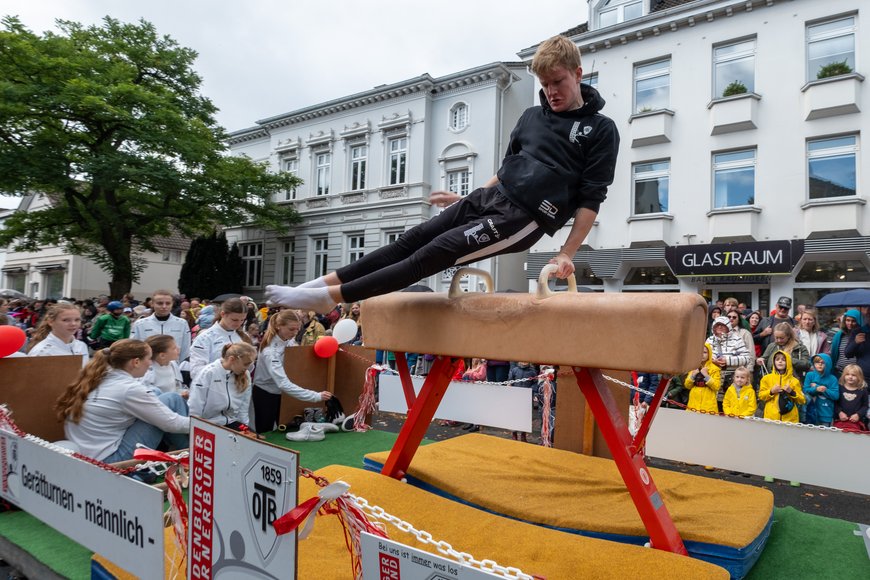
{"x": 40, "y": 552}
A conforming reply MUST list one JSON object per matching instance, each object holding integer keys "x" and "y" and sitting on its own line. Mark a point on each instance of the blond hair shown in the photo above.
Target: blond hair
{"x": 855, "y": 370}
{"x": 240, "y": 350}
{"x": 553, "y": 53}
{"x": 282, "y": 318}
{"x": 70, "y": 404}
{"x": 42, "y": 331}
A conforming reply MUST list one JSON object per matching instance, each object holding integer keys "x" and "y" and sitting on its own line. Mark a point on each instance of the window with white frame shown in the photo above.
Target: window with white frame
{"x": 324, "y": 161}
{"x": 17, "y": 282}
{"x": 733, "y": 179}
{"x": 830, "y": 43}
{"x": 458, "y": 181}
{"x": 734, "y": 68}
{"x": 651, "y": 182}
{"x": 355, "y": 247}
{"x": 252, "y": 261}
{"x": 171, "y": 256}
{"x": 398, "y": 160}
{"x": 288, "y": 261}
{"x": 458, "y": 117}
{"x": 612, "y": 12}
{"x": 831, "y": 167}
{"x": 291, "y": 165}
{"x": 358, "y": 161}
{"x": 320, "y": 255}
{"x": 652, "y": 86}
{"x": 391, "y": 236}
{"x": 591, "y": 80}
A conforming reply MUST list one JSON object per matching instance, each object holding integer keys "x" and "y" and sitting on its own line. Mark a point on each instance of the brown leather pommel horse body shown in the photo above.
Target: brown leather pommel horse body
{"x": 651, "y": 332}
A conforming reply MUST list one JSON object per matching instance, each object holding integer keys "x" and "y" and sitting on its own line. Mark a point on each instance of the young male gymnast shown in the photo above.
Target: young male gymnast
{"x": 559, "y": 162}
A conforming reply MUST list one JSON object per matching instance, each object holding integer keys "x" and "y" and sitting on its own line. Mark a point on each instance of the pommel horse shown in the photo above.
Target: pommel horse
{"x": 587, "y": 332}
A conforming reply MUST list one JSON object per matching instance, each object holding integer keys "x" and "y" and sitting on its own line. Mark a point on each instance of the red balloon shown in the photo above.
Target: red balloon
{"x": 326, "y": 346}
{"x": 11, "y": 339}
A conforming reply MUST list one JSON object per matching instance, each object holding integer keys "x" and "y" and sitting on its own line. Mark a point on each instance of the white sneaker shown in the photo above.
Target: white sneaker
{"x": 308, "y": 432}
{"x": 325, "y": 427}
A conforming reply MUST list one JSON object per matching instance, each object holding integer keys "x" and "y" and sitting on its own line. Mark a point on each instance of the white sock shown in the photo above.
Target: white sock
{"x": 316, "y": 283}
{"x": 317, "y": 299}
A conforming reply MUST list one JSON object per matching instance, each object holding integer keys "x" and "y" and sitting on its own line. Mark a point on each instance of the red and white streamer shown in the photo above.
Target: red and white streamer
{"x": 546, "y": 412}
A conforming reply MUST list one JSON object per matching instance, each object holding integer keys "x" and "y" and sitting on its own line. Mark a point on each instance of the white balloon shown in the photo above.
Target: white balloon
{"x": 344, "y": 330}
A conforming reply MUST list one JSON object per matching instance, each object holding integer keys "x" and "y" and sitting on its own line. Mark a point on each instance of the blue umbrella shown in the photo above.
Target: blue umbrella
{"x": 856, "y": 297}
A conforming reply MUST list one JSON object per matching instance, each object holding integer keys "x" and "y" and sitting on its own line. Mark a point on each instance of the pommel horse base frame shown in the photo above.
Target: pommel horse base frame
{"x": 625, "y": 449}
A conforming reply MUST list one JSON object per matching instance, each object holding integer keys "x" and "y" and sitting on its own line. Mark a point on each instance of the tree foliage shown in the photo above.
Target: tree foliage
{"x": 108, "y": 122}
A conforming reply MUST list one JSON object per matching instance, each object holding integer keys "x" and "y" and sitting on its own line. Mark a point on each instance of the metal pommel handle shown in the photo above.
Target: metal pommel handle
{"x": 544, "y": 290}
{"x": 454, "y": 284}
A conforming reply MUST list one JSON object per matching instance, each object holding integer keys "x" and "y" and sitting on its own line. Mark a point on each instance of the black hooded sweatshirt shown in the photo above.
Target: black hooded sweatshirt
{"x": 557, "y": 163}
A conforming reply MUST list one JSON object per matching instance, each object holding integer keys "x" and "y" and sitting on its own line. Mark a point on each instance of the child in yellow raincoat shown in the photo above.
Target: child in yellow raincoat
{"x": 703, "y": 384}
{"x": 740, "y": 397}
{"x": 781, "y": 391}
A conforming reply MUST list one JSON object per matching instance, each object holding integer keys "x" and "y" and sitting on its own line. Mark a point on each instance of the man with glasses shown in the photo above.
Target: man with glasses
{"x": 764, "y": 331}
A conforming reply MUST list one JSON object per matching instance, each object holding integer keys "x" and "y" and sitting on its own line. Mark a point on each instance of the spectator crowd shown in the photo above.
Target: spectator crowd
{"x": 156, "y": 362}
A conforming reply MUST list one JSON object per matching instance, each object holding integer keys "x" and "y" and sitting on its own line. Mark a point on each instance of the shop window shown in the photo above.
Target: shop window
{"x": 650, "y": 276}
{"x": 834, "y": 271}
{"x": 584, "y": 277}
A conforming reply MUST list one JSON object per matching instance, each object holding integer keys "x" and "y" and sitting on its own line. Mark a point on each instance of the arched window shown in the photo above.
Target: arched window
{"x": 458, "y": 117}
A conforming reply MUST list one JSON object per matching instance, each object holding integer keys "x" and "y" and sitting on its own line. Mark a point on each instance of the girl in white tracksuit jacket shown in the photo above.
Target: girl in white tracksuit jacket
{"x": 107, "y": 411}
{"x": 221, "y": 392}
{"x": 209, "y": 343}
{"x": 55, "y": 335}
{"x": 270, "y": 379}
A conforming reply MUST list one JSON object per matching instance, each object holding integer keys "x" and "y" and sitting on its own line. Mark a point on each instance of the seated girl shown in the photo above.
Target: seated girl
{"x": 107, "y": 411}
{"x": 220, "y": 393}
{"x": 164, "y": 374}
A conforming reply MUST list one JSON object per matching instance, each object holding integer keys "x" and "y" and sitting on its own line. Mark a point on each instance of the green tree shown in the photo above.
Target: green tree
{"x": 108, "y": 122}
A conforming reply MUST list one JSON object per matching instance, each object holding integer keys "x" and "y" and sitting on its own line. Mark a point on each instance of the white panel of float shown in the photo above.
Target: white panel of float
{"x": 814, "y": 456}
{"x": 113, "y": 515}
{"x": 498, "y": 406}
{"x": 384, "y": 559}
{"x": 238, "y": 487}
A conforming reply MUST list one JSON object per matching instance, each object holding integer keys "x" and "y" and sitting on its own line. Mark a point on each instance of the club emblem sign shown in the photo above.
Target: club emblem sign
{"x": 238, "y": 487}
{"x": 265, "y": 490}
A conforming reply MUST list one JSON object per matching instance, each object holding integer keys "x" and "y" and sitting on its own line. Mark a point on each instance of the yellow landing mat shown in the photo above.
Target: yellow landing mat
{"x": 571, "y": 491}
{"x": 532, "y": 549}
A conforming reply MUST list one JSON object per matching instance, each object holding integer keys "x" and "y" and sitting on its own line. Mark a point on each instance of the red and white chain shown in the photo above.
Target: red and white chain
{"x": 443, "y": 547}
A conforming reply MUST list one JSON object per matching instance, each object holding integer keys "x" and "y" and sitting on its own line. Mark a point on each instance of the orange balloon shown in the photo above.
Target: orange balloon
{"x": 326, "y": 346}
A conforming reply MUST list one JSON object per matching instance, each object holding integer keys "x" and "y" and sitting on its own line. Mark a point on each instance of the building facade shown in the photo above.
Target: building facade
{"x": 51, "y": 272}
{"x": 368, "y": 163}
{"x": 740, "y": 169}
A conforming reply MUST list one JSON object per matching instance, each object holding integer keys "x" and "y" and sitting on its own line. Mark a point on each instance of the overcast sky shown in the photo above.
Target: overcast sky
{"x": 262, "y": 58}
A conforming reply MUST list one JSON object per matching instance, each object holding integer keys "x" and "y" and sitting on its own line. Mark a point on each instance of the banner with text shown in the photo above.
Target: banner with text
{"x": 739, "y": 258}
{"x": 384, "y": 559}
{"x": 238, "y": 487}
{"x": 113, "y": 515}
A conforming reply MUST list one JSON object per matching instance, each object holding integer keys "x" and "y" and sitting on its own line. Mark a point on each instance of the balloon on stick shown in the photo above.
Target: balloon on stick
{"x": 344, "y": 330}
{"x": 11, "y": 339}
{"x": 326, "y": 346}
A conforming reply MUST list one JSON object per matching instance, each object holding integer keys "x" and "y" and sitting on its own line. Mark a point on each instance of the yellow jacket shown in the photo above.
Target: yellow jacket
{"x": 702, "y": 396}
{"x": 743, "y": 405}
{"x": 775, "y": 379}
